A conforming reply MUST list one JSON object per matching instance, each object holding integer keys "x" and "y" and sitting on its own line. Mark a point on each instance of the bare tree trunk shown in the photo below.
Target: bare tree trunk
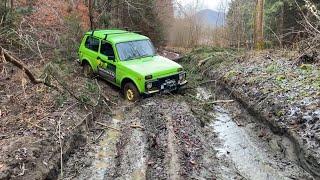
{"x": 11, "y": 5}
{"x": 90, "y": 7}
{"x": 258, "y": 32}
{"x": 71, "y": 5}
{"x": 281, "y": 27}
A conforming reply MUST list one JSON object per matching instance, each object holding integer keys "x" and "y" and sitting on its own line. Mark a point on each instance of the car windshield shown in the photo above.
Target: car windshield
{"x": 135, "y": 49}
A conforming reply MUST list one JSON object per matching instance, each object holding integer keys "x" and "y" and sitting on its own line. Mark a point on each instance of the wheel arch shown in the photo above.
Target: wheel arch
{"x": 86, "y": 61}
{"x": 127, "y": 80}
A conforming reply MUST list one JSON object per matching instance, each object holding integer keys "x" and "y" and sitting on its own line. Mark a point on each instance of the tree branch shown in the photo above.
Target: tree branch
{"x": 8, "y": 57}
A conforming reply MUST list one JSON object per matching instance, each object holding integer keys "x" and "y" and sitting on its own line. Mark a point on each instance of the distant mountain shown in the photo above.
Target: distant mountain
{"x": 211, "y": 17}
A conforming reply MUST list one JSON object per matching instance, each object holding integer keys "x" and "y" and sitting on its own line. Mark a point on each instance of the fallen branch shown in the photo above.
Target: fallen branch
{"x": 61, "y": 149}
{"x": 109, "y": 127}
{"x": 206, "y": 82}
{"x": 218, "y": 101}
{"x": 137, "y": 126}
{"x": 237, "y": 122}
{"x": 204, "y": 61}
{"x": 100, "y": 135}
{"x": 20, "y": 65}
{"x": 36, "y": 125}
{"x": 60, "y": 137}
{"x": 81, "y": 122}
{"x": 200, "y": 84}
{"x": 23, "y": 169}
{"x": 108, "y": 100}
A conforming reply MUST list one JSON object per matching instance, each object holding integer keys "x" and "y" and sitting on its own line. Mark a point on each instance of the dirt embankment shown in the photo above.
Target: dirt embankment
{"x": 39, "y": 124}
{"x": 279, "y": 89}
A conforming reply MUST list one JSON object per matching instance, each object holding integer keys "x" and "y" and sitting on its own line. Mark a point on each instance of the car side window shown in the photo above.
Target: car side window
{"x": 107, "y": 50}
{"x": 92, "y": 43}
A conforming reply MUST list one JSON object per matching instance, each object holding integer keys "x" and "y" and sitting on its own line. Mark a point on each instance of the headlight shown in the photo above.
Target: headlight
{"x": 149, "y": 85}
{"x": 182, "y": 77}
{"x": 148, "y": 77}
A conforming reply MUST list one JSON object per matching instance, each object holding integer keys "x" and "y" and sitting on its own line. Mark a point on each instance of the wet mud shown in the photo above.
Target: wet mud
{"x": 162, "y": 137}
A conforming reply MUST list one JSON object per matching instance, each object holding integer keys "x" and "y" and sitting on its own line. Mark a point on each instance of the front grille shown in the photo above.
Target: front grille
{"x": 173, "y": 77}
{"x": 156, "y": 85}
{"x": 163, "y": 80}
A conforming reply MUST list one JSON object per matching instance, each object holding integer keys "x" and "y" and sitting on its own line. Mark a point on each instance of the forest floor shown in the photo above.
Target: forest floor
{"x": 191, "y": 134}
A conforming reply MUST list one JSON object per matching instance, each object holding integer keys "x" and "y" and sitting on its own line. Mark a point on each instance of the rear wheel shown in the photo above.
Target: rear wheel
{"x": 131, "y": 92}
{"x": 87, "y": 70}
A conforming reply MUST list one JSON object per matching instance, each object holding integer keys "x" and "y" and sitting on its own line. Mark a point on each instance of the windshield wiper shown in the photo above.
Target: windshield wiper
{"x": 151, "y": 55}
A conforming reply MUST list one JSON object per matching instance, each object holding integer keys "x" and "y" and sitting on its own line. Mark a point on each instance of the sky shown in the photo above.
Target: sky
{"x": 217, "y": 5}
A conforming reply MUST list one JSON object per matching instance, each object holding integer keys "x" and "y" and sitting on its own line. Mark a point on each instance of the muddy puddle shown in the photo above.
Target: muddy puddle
{"x": 106, "y": 162}
{"x": 251, "y": 148}
{"x": 168, "y": 142}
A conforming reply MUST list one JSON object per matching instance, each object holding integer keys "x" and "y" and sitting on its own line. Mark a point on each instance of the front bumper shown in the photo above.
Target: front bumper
{"x": 166, "y": 84}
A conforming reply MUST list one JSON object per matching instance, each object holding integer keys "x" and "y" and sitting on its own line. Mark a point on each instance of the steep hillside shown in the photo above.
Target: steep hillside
{"x": 211, "y": 17}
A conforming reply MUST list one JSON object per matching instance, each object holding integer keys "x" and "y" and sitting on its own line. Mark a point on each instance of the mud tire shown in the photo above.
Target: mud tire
{"x": 130, "y": 92}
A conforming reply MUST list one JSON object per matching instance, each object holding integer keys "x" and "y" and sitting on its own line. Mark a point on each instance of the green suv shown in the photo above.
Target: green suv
{"x": 129, "y": 61}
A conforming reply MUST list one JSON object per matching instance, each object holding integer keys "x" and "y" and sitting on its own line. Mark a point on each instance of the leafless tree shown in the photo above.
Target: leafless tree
{"x": 258, "y": 31}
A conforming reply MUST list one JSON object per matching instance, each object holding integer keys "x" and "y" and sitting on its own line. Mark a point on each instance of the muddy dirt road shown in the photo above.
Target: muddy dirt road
{"x": 185, "y": 137}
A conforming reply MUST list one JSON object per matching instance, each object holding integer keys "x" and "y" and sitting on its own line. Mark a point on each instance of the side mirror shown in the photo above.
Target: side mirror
{"x": 103, "y": 60}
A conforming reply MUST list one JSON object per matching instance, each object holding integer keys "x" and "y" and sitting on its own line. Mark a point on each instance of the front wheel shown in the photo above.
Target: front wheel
{"x": 131, "y": 92}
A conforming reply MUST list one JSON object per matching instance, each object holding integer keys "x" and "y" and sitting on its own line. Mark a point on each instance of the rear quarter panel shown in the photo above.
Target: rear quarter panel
{"x": 88, "y": 55}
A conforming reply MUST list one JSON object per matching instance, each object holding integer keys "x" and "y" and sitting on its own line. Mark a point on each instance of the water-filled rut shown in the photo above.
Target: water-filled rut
{"x": 162, "y": 137}
{"x": 250, "y": 146}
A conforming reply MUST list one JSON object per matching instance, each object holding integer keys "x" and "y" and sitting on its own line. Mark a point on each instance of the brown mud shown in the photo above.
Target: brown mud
{"x": 162, "y": 137}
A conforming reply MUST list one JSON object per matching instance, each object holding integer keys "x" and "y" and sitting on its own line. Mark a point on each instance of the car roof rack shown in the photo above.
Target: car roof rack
{"x": 106, "y": 35}
{"x": 93, "y": 31}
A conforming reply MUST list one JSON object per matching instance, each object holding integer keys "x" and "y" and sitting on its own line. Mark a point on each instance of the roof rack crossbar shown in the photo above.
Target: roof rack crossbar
{"x": 95, "y": 30}
{"x": 116, "y": 33}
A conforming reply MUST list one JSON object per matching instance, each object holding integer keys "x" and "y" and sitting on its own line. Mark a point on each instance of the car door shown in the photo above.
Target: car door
{"x": 92, "y": 46}
{"x": 107, "y": 68}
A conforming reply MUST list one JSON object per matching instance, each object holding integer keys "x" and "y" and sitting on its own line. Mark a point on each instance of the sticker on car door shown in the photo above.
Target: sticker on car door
{"x": 109, "y": 72}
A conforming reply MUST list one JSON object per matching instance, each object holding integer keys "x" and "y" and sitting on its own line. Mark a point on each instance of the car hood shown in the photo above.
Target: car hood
{"x": 155, "y": 66}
